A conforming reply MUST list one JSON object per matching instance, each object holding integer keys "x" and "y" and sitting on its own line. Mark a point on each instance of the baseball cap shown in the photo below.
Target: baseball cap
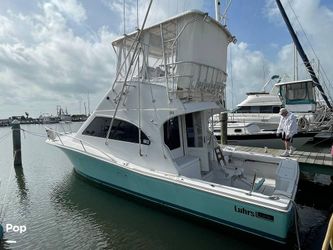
{"x": 283, "y": 111}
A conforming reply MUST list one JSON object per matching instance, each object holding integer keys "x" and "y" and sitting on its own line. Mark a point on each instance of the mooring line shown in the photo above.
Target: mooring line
{"x": 34, "y": 133}
{"x": 3, "y": 208}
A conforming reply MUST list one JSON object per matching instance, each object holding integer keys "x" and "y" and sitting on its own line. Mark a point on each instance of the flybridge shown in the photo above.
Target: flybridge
{"x": 179, "y": 54}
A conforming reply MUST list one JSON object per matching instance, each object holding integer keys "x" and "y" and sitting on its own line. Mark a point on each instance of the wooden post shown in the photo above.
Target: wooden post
{"x": 224, "y": 127}
{"x": 1, "y": 232}
{"x": 16, "y": 129}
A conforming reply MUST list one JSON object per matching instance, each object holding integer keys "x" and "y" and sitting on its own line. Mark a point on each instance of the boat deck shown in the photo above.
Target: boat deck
{"x": 309, "y": 161}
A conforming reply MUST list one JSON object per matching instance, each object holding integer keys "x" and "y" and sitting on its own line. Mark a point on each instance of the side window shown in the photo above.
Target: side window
{"x": 121, "y": 130}
{"x": 265, "y": 109}
{"x": 276, "y": 109}
{"x": 243, "y": 109}
{"x": 98, "y": 127}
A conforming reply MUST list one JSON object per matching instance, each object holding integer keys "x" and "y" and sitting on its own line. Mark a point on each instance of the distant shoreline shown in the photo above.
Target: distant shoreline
{"x": 43, "y": 119}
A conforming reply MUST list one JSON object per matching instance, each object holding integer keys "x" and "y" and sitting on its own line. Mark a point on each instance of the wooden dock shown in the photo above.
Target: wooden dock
{"x": 309, "y": 161}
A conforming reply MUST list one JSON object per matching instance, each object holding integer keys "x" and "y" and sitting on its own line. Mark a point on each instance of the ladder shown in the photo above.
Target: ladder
{"x": 219, "y": 155}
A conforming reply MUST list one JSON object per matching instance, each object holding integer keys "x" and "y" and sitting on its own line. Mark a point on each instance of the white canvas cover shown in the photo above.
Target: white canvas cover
{"x": 203, "y": 42}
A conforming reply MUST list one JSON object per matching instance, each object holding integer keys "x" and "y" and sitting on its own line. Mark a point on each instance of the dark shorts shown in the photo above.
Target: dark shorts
{"x": 283, "y": 137}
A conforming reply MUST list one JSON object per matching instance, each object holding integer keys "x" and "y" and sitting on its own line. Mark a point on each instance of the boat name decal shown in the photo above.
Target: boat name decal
{"x": 248, "y": 212}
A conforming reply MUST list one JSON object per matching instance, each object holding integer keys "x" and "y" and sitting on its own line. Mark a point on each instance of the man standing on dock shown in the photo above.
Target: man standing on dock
{"x": 287, "y": 129}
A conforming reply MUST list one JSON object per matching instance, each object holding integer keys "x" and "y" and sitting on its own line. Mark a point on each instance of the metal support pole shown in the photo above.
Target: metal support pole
{"x": 16, "y": 129}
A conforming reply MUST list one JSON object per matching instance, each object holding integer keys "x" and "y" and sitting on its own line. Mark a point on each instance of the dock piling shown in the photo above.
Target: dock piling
{"x": 224, "y": 127}
{"x": 16, "y": 129}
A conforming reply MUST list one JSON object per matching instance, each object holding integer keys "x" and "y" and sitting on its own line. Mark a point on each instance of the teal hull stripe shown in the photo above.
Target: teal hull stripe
{"x": 182, "y": 209}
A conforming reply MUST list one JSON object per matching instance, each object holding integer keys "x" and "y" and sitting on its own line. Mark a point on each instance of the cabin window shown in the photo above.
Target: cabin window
{"x": 257, "y": 109}
{"x": 171, "y": 133}
{"x": 298, "y": 93}
{"x": 121, "y": 130}
{"x": 276, "y": 109}
{"x": 194, "y": 130}
{"x": 243, "y": 109}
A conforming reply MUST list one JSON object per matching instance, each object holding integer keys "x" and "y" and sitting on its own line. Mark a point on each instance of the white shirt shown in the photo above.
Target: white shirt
{"x": 288, "y": 125}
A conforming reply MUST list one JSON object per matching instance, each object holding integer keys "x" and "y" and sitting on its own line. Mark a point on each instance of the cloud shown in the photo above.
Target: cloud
{"x": 71, "y": 9}
{"x": 47, "y": 62}
{"x": 51, "y": 56}
{"x": 246, "y": 72}
{"x": 160, "y": 10}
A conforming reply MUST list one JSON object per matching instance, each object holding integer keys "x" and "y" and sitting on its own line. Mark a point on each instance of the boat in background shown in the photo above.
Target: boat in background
{"x": 149, "y": 135}
{"x": 249, "y": 134}
{"x": 306, "y": 98}
{"x": 46, "y": 118}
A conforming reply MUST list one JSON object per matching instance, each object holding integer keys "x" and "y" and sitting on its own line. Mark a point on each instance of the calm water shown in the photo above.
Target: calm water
{"x": 63, "y": 211}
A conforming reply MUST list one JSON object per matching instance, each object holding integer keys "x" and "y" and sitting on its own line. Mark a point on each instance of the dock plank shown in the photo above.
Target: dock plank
{"x": 319, "y": 159}
{"x": 275, "y": 152}
{"x": 297, "y": 155}
{"x": 312, "y": 162}
{"x": 312, "y": 157}
{"x": 304, "y": 157}
{"x": 328, "y": 160}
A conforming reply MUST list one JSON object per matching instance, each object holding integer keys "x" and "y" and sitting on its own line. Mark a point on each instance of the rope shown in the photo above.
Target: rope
{"x": 34, "y": 133}
{"x": 296, "y": 216}
{"x": 3, "y": 209}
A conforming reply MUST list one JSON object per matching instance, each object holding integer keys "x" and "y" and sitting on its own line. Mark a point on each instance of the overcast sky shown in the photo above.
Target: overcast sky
{"x": 55, "y": 52}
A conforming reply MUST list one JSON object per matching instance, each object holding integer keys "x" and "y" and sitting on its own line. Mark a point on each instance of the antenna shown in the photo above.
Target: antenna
{"x": 217, "y": 10}
{"x": 88, "y": 103}
{"x": 124, "y": 12}
{"x": 137, "y": 14}
{"x": 224, "y": 16}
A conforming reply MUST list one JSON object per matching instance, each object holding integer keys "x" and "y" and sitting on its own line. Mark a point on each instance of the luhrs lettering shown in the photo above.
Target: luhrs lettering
{"x": 248, "y": 212}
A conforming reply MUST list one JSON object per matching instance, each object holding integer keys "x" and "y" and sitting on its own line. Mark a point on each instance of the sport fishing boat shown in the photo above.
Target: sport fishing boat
{"x": 149, "y": 135}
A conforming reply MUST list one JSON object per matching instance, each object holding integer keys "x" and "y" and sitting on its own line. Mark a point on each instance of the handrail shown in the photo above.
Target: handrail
{"x": 58, "y": 134}
{"x": 196, "y": 63}
{"x": 328, "y": 241}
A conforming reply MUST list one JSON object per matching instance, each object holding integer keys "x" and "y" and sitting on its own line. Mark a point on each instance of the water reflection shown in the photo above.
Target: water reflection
{"x": 315, "y": 194}
{"x": 21, "y": 184}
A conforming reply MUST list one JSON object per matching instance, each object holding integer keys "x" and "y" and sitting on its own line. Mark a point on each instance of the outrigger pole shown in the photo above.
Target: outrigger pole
{"x": 302, "y": 54}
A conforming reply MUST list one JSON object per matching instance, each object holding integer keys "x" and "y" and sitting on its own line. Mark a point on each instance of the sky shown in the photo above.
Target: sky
{"x": 56, "y": 52}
